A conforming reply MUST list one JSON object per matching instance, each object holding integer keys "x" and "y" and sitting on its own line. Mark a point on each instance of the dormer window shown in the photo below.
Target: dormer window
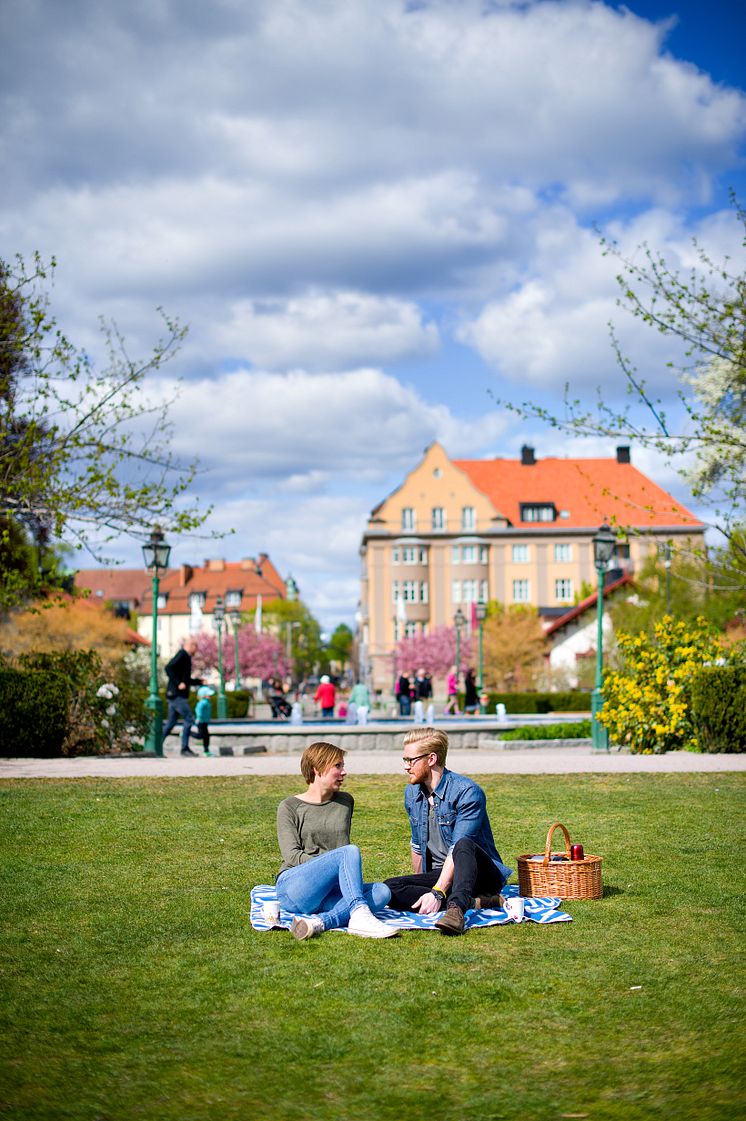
{"x": 232, "y": 599}
{"x": 538, "y": 512}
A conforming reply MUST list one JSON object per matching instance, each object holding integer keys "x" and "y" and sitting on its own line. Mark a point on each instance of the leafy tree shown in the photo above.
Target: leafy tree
{"x": 66, "y": 624}
{"x": 290, "y": 621}
{"x": 513, "y": 647}
{"x": 84, "y": 455}
{"x": 340, "y": 645}
{"x": 434, "y": 652}
{"x": 703, "y": 312}
{"x": 259, "y": 655}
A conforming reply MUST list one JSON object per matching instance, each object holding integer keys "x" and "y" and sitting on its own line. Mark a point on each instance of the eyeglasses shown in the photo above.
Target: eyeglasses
{"x": 413, "y": 759}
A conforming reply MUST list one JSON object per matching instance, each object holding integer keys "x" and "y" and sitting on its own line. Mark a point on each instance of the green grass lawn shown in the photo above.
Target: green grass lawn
{"x": 134, "y": 987}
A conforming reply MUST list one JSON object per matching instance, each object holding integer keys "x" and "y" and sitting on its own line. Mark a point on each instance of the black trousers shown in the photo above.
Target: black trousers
{"x": 473, "y": 874}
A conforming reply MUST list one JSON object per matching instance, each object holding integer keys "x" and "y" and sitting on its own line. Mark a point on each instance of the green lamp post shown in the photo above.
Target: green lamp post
{"x": 459, "y": 621}
{"x": 235, "y": 617}
{"x": 218, "y": 616}
{"x": 155, "y": 554}
{"x": 481, "y": 613}
{"x": 604, "y": 543}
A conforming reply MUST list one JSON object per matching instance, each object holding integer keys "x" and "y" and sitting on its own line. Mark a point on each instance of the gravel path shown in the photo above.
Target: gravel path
{"x": 537, "y": 761}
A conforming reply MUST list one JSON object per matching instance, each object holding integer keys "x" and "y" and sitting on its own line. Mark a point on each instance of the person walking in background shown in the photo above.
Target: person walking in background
{"x": 324, "y": 697}
{"x": 203, "y": 712}
{"x": 403, "y": 694}
{"x": 180, "y": 680}
{"x": 452, "y": 689}
{"x": 471, "y": 697}
{"x": 423, "y": 686}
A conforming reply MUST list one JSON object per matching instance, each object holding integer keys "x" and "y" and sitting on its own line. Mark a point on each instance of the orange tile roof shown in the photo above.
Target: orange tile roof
{"x": 114, "y": 583}
{"x": 177, "y": 584}
{"x": 214, "y": 578}
{"x": 590, "y": 490}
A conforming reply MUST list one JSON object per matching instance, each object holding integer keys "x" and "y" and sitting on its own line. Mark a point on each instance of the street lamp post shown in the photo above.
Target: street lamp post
{"x": 155, "y": 555}
{"x": 665, "y": 550}
{"x": 235, "y": 617}
{"x": 604, "y": 543}
{"x": 481, "y": 613}
{"x": 459, "y": 621}
{"x": 218, "y": 615}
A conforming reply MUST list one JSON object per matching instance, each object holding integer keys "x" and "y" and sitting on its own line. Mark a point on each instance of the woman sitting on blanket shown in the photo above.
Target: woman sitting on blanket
{"x": 322, "y": 874}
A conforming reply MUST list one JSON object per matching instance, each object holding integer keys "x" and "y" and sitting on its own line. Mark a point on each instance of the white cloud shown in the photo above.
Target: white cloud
{"x": 552, "y": 327}
{"x": 326, "y": 330}
{"x": 299, "y": 431}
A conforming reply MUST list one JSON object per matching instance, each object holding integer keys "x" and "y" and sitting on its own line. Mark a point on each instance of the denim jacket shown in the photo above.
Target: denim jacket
{"x": 461, "y": 810}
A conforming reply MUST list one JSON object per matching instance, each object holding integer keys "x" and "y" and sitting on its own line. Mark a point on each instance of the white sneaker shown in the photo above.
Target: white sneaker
{"x": 306, "y": 928}
{"x": 365, "y": 924}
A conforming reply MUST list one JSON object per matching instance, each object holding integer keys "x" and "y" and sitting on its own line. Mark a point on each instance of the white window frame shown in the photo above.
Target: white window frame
{"x": 408, "y": 518}
{"x": 563, "y": 553}
{"x": 522, "y": 591}
{"x": 439, "y": 519}
{"x": 455, "y": 591}
{"x": 468, "y": 517}
{"x": 563, "y": 589}
{"x": 469, "y": 554}
{"x": 520, "y": 554}
{"x": 455, "y": 554}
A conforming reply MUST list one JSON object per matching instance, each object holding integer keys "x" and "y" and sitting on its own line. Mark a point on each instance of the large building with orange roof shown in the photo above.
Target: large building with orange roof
{"x": 187, "y": 595}
{"x": 463, "y": 531}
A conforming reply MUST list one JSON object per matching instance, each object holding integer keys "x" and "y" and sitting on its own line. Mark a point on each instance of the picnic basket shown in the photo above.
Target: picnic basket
{"x": 569, "y": 879}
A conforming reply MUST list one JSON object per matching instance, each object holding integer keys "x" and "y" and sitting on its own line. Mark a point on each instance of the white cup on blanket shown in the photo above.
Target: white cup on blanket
{"x": 272, "y": 912}
{"x": 515, "y": 906}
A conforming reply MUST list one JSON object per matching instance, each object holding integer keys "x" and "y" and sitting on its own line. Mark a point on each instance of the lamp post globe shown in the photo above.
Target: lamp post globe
{"x": 155, "y": 554}
{"x": 604, "y": 543}
{"x": 218, "y": 616}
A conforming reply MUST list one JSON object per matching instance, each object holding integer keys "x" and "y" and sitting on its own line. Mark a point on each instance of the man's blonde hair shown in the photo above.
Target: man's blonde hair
{"x": 319, "y": 757}
{"x": 429, "y": 739}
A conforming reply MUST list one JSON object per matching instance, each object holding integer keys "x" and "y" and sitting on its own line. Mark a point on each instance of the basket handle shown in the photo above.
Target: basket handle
{"x": 550, "y": 834}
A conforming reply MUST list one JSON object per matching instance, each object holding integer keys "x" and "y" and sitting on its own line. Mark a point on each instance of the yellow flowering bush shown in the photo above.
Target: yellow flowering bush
{"x": 647, "y": 703}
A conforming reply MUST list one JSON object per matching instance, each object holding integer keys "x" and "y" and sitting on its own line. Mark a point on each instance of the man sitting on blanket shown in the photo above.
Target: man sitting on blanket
{"x": 454, "y": 858}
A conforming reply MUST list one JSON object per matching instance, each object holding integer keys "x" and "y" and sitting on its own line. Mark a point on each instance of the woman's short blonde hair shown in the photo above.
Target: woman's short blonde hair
{"x": 319, "y": 757}
{"x": 429, "y": 739}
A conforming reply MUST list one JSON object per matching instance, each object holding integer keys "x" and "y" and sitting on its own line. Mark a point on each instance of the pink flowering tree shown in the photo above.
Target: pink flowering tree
{"x": 434, "y": 652}
{"x": 259, "y": 655}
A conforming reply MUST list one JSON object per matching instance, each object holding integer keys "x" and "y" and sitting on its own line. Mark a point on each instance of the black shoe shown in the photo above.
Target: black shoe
{"x": 488, "y": 902}
{"x": 188, "y": 751}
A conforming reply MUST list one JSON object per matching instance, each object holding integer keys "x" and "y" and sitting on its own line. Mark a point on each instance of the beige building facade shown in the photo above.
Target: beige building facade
{"x": 460, "y": 532}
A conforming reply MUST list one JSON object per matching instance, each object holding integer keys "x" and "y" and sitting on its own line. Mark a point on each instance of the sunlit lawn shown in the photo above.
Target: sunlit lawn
{"x": 134, "y": 986}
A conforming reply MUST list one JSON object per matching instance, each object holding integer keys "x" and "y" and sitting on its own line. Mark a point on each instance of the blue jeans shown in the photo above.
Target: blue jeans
{"x": 405, "y": 705}
{"x": 178, "y": 709}
{"x": 330, "y": 886}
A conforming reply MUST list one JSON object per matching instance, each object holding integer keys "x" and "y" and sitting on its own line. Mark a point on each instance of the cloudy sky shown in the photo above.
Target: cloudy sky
{"x": 374, "y": 216}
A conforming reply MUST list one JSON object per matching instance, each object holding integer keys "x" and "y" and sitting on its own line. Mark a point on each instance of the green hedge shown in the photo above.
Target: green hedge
{"x": 238, "y": 702}
{"x": 579, "y": 731}
{"x": 718, "y": 708}
{"x": 538, "y": 702}
{"x": 33, "y": 713}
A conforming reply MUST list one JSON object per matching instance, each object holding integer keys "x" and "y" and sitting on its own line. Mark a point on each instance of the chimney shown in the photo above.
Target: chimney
{"x": 528, "y": 459}
{"x": 216, "y": 565}
{"x": 622, "y": 455}
{"x": 248, "y": 564}
{"x": 185, "y": 574}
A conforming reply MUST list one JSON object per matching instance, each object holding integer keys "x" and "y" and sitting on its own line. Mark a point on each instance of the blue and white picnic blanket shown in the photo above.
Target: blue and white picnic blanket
{"x": 538, "y": 910}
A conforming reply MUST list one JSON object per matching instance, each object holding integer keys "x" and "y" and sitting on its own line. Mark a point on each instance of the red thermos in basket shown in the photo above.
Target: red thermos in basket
{"x": 577, "y": 852}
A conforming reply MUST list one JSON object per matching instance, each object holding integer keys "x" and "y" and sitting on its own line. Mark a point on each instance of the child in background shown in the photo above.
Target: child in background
{"x": 203, "y": 712}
